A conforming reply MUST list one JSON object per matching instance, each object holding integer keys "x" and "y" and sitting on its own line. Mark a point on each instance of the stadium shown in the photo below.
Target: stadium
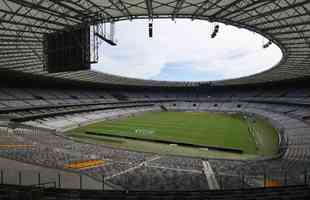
{"x": 70, "y": 132}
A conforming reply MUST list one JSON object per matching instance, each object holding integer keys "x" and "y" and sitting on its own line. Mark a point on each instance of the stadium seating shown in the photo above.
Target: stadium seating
{"x": 39, "y": 116}
{"x": 37, "y": 107}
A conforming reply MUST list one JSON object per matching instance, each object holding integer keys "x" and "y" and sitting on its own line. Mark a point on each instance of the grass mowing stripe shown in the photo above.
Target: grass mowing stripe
{"x": 155, "y": 127}
{"x": 216, "y": 129}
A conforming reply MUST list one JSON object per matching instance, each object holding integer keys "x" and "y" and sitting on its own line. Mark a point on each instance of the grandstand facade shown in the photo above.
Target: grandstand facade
{"x": 36, "y": 107}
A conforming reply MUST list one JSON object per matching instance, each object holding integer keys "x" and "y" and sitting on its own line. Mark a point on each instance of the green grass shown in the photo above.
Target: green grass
{"x": 216, "y": 129}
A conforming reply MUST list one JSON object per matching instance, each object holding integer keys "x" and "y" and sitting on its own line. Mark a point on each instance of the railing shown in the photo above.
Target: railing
{"x": 51, "y": 184}
{"x": 54, "y": 179}
{"x": 267, "y": 179}
{"x": 34, "y": 179}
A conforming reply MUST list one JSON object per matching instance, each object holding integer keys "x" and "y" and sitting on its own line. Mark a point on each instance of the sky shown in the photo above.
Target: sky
{"x": 183, "y": 50}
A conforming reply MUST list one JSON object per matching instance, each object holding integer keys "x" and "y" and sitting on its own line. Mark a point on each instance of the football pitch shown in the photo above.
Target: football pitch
{"x": 198, "y": 128}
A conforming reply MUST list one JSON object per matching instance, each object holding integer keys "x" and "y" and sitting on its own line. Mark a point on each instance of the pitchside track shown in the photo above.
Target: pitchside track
{"x": 253, "y": 135}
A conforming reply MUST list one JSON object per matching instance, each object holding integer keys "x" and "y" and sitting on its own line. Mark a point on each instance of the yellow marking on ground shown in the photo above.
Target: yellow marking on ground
{"x": 84, "y": 164}
{"x": 272, "y": 183}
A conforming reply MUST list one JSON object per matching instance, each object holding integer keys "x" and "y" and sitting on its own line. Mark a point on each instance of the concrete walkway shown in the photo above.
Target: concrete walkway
{"x": 208, "y": 171}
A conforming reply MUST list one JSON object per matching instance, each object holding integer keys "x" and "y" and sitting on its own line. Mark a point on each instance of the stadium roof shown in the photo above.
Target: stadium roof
{"x": 24, "y": 22}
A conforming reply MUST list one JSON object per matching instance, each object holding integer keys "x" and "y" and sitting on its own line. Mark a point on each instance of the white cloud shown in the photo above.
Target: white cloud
{"x": 233, "y": 53}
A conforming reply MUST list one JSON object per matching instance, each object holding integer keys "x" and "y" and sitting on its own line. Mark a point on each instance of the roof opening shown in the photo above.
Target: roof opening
{"x": 186, "y": 50}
